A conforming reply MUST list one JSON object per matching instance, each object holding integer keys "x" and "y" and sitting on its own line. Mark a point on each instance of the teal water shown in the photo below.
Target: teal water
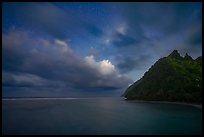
{"x": 98, "y": 116}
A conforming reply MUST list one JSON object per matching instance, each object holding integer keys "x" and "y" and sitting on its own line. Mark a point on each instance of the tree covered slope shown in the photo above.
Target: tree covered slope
{"x": 172, "y": 78}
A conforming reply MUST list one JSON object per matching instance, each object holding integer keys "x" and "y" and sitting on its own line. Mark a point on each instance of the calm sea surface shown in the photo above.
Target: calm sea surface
{"x": 98, "y": 116}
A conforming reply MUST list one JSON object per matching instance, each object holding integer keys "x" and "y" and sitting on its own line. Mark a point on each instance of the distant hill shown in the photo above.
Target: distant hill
{"x": 172, "y": 78}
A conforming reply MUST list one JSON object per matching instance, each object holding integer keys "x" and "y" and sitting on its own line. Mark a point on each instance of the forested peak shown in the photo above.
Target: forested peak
{"x": 175, "y": 54}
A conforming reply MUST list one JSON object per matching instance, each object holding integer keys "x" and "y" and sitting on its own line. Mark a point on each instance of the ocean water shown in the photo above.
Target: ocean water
{"x": 98, "y": 116}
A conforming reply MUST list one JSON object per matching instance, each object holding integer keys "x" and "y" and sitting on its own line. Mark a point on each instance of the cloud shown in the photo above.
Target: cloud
{"x": 119, "y": 38}
{"x": 63, "y": 45}
{"x": 122, "y": 28}
{"x": 122, "y": 38}
{"x": 41, "y": 62}
{"x": 105, "y": 67}
{"x": 129, "y": 63}
{"x": 161, "y": 19}
{"x": 194, "y": 35}
{"x": 27, "y": 80}
{"x": 44, "y": 16}
{"x": 156, "y": 32}
{"x": 48, "y": 18}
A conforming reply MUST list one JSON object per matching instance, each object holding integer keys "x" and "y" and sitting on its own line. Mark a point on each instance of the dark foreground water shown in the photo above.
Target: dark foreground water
{"x": 98, "y": 116}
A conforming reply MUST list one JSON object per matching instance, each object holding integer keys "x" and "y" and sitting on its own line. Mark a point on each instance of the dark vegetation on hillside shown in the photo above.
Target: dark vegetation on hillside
{"x": 172, "y": 78}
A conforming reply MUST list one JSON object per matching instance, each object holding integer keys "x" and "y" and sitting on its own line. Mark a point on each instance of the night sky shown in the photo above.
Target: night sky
{"x": 91, "y": 49}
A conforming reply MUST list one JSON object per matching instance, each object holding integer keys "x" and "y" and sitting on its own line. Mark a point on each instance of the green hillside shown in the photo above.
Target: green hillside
{"x": 172, "y": 78}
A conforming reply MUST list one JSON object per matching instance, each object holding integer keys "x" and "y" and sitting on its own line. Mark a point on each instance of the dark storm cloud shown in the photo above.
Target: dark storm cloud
{"x": 46, "y": 63}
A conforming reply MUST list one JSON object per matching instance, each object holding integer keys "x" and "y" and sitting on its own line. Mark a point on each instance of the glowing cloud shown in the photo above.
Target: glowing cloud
{"x": 105, "y": 67}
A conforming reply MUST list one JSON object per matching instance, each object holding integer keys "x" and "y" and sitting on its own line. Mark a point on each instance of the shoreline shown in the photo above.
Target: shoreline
{"x": 168, "y": 102}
